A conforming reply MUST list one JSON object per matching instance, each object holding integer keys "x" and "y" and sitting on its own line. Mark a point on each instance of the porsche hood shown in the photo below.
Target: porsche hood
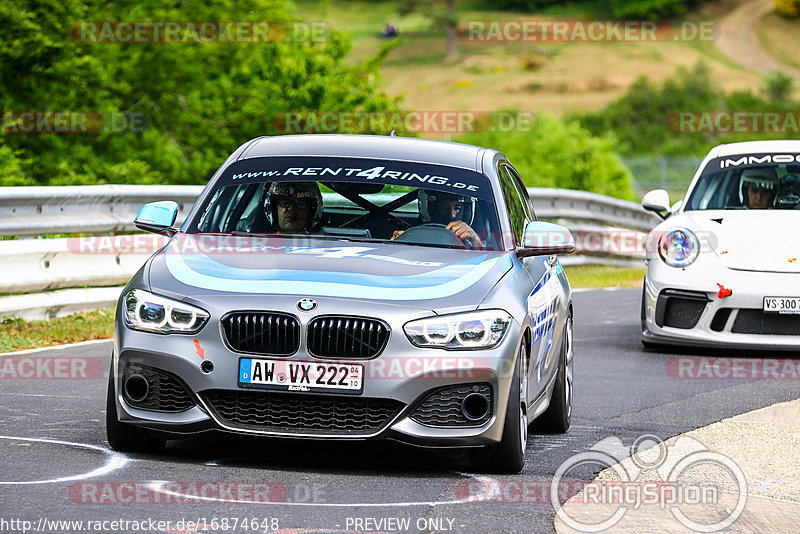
{"x": 408, "y": 275}
{"x": 749, "y": 240}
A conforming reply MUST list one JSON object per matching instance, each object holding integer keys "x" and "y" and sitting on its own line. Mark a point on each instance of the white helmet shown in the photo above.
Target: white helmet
{"x": 296, "y": 191}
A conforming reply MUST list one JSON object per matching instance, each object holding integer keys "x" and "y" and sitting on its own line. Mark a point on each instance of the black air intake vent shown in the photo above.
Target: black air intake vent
{"x": 301, "y": 414}
{"x": 164, "y": 391}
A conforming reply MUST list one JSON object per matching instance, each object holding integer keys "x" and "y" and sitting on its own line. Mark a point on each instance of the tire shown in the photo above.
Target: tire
{"x": 556, "y": 419}
{"x": 125, "y": 437}
{"x": 508, "y": 456}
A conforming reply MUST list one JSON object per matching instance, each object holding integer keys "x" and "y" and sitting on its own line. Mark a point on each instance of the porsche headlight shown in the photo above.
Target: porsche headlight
{"x": 153, "y": 313}
{"x": 472, "y": 330}
{"x": 678, "y": 247}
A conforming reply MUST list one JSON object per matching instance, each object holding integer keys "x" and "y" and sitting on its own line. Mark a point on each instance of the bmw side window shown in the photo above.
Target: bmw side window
{"x": 522, "y": 191}
{"x": 516, "y": 208}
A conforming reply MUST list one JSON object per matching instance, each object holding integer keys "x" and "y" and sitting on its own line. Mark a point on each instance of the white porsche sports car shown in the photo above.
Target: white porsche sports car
{"x": 723, "y": 268}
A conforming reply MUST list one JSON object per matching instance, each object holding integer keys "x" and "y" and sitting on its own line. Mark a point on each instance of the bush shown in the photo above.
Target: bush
{"x": 650, "y": 9}
{"x": 561, "y": 154}
{"x": 640, "y": 118}
{"x": 788, "y": 8}
{"x": 645, "y": 119}
{"x": 11, "y": 172}
{"x": 779, "y": 86}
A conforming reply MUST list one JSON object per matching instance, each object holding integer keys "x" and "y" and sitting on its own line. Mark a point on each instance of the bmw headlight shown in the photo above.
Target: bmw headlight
{"x": 472, "y": 330}
{"x": 678, "y": 247}
{"x": 153, "y": 313}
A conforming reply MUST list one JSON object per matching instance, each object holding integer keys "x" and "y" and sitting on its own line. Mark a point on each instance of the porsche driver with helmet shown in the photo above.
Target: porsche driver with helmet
{"x": 294, "y": 207}
{"x": 757, "y": 187}
{"x": 450, "y": 210}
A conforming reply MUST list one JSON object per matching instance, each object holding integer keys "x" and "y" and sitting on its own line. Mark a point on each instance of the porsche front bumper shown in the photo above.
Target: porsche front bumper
{"x": 690, "y": 307}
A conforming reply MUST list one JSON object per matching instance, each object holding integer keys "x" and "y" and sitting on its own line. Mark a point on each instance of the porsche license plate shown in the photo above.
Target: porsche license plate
{"x": 301, "y": 376}
{"x": 782, "y": 305}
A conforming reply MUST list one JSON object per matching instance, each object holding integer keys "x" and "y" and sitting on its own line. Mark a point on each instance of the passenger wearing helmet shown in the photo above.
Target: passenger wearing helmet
{"x": 757, "y": 187}
{"x": 294, "y": 207}
{"x": 451, "y": 210}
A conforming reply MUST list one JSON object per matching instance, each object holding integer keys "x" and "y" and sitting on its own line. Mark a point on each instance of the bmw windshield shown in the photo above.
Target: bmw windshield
{"x": 354, "y": 199}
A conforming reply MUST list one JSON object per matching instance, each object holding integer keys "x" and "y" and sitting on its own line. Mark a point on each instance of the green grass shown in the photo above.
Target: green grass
{"x": 486, "y": 76}
{"x": 16, "y": 334}
{"x": 600, "y": 276}
{"x": 779, "y": 38}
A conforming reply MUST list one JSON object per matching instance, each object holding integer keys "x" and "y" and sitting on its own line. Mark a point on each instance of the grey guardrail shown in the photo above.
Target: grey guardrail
{"x": 31, "y": 211}
{"x": 48, "y": 271}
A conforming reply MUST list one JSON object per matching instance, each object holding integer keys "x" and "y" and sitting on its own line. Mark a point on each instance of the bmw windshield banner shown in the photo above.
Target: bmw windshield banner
{"x": 321, "y": 169}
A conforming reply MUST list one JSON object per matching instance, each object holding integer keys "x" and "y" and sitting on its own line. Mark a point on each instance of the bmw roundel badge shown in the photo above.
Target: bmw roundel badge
{"x": 307, "y": 304}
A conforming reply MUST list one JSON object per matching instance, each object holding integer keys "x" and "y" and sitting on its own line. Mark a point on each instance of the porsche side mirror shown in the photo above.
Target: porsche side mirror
{"x": 657, "y": 201}
{"x": 158, "y": 217}
{"x": 545, "y": 239}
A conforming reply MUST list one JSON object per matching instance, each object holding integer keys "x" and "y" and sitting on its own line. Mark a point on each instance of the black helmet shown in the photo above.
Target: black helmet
{"x": 761, "y": 177}
{"x": 429, "y": 206}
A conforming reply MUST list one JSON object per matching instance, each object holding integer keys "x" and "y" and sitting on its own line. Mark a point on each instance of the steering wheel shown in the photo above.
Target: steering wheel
{"x": 431, "y": 234}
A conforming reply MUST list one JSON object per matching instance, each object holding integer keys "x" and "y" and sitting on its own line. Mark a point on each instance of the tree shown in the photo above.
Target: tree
{"x": 200, "y": 100}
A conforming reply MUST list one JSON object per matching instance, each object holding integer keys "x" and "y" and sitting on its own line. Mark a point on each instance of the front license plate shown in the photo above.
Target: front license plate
{"x": 301, "y": 376}
{"x": 787, "y": 305}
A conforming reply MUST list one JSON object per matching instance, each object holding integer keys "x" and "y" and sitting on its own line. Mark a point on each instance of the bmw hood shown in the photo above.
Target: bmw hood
{"x": 749, "y": 240}
{"x": 401, "y": 274}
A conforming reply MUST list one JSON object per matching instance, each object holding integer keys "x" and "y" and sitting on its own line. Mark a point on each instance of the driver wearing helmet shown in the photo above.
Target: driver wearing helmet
{"x": 757, "y": 187}
{"x": 451, "y": 210}
{"x": 294, "y": 207}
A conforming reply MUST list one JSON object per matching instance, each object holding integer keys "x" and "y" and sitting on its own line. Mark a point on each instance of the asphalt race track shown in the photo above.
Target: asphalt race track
{"x": 55, "y": 464}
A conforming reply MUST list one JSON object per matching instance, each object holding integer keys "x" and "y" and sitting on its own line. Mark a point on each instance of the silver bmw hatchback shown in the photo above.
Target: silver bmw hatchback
{"x": 349, "y": 287}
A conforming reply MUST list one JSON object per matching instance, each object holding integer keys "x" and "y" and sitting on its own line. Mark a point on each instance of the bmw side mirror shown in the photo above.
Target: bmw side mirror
{"x": 657, "y": 201}
{"x": 158, "y": 217}
{"x": 546, "y": 239}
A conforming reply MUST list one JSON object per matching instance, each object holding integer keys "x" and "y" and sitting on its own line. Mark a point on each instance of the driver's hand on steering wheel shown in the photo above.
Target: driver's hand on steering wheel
{"x": 463, "y": 231}
{"x": 395, "y": 234}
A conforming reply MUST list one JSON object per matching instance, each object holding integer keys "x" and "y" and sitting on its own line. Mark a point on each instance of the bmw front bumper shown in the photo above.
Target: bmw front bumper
{"x": 399, "y": 379}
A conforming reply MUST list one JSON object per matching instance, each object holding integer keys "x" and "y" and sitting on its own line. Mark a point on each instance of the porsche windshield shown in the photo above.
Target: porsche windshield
{"x": 724, "y": 185}
{"x": 355, "y": 199}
